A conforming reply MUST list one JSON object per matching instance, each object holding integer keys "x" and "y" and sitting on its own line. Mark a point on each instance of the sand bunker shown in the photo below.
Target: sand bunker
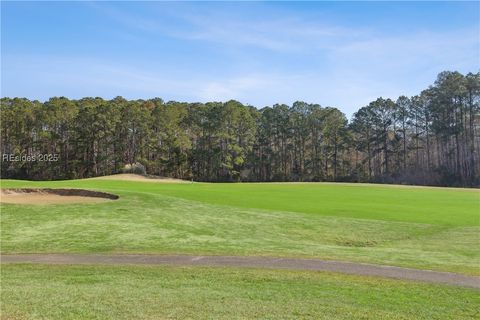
{"x": 142, "y": 178}
{"x": 53, "y": 196}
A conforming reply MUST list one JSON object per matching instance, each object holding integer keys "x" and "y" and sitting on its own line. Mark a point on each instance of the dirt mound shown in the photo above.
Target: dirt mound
{"x": 53, "y": 196}
{"x": 142, "y": 178}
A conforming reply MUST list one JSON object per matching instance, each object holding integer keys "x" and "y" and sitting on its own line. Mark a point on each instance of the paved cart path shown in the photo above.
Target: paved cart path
{"x": 252, "y": 262}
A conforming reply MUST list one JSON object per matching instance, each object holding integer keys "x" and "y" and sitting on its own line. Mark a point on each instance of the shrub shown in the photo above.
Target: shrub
{"x": 136, "y": 168}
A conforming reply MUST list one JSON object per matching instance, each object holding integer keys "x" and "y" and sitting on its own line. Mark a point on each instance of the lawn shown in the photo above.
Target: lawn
{"x": 147, "y": 292}
{"x": 428, "y": 228}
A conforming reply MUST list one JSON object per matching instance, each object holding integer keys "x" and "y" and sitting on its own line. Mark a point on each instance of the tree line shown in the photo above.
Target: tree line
{"x": 431, "y": 138}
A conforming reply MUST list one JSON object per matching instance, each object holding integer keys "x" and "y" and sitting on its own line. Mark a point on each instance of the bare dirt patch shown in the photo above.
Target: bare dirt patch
{"x": 142, "y": 178}
{"x": 53, "y": 196}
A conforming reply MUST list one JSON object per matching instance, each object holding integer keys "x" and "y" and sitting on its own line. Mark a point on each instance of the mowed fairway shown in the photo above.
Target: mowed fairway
{"x": 427, "y": 228}
{"x": 424, "y": 228}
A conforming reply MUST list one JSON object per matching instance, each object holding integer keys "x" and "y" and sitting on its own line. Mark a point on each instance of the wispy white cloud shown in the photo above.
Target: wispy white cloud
{"x": 285, "y": 33}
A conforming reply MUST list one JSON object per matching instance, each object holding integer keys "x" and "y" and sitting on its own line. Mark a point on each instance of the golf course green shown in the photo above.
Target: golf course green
{"x": 416, "y": 227}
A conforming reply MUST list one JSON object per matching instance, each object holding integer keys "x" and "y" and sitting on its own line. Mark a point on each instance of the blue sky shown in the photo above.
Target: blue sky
{"x": 342, "y": 54}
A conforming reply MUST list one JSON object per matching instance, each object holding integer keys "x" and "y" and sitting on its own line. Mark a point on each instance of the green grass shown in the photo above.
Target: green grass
{"x": 428, "y": 228}
{"x": 441, "y": 206}
{"x": 148, "y": 292}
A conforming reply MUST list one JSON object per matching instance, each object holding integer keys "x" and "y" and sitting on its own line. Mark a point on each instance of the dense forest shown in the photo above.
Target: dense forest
{"x": 431, "y": 138}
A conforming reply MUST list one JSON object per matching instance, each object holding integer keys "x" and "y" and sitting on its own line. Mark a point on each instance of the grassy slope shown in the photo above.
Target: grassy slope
{"x": 417, "y": 227}
{"x": 445, "y": 206}
{"x": 145, "y": 292}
